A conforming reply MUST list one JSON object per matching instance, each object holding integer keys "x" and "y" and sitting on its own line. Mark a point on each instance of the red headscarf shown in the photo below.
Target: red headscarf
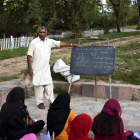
{"x": 112, "y": 107}
{"x": 80, "y": 127}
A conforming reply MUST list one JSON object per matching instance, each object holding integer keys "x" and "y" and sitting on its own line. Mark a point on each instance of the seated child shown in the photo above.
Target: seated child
{"x": 60, "y": 116}
{"x": 80, "y": 127}
{"x": 108, "y": 124}
{"x": 17, "y": 121}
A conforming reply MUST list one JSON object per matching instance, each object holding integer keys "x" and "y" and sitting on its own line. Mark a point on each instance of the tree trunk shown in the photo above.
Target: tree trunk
{"x": 139, "y": 15}
{"x": 117, "y": 20}
{"x": 72, "y": 10}
{"x": 106, "y": 24}
{"x": 4, "y": 35}
{"x": 116, "y": 9}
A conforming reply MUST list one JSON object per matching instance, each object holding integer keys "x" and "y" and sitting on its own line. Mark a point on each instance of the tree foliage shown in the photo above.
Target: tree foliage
{"x": 25, "y": 16}
{"x": 136, "y": 4}
{"x": 20, "y": 16}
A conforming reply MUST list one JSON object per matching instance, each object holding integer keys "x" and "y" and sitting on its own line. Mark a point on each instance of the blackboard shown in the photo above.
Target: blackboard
{"x": 93, "y": 60}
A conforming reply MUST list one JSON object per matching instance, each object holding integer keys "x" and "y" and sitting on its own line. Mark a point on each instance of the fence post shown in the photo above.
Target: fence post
{"x": 6, "y": 43}
{"x": 1, "y": 44}
{"x": 12, "y": 42}
{"x": 18, "y": 39}
{"x": 27, "y": 41}
{"x": 16, "y": 43}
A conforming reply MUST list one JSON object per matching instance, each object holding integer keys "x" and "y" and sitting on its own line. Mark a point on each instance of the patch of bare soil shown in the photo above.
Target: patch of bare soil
{"x": 13, "y": 66}
{"x": 115, "y": 42}
{"x": 61, "y": 52}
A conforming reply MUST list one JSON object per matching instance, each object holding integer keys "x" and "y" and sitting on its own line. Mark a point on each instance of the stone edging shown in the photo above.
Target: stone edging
{"x": 119, "y": 91}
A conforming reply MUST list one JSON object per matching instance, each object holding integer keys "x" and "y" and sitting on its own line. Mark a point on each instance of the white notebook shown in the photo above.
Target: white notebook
{"x": 44, "y": 136}
{"x": 137, "y": 134}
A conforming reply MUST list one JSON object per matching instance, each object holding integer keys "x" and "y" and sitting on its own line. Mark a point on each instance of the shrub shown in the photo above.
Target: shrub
{"x": 136, "y": 81}
{"x": 138, "y": 27}
{"x": 58, "y": 90}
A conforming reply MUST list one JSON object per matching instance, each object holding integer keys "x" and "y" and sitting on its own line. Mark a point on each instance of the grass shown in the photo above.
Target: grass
{"x": 27, "y": 96}
{"x": 110, "y": 36}
{"x": 25, "y": 72}
{"x": 7, "y": 78}
{"x": 54, "y": 58}
{"x": 133, "y": 98}
{"x": 132, "y": 46}
{"x": 127, "y": 66}
{"x": 57, "y": 76}
{"x": 5, "y": 65}
{"x": 68, "y": 40}
{"x": 118, "y": 35}
{"x": 126, "y": 61}
{"x": 6, "y": 54}
{"x": 58, "y": 90}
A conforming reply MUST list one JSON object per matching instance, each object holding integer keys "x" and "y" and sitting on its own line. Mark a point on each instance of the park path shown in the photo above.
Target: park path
{"x": 80, "y": 104}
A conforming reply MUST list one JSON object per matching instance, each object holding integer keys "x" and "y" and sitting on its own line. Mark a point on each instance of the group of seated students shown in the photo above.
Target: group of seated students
{"x": 16, "y": 123}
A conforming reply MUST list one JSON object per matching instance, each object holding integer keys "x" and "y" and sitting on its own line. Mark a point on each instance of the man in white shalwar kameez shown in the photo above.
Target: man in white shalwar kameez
{"x": 38, "y": 58}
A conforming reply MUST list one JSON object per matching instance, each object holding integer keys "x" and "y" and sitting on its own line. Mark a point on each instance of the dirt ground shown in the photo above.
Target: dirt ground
{"x": 13, "y": 66}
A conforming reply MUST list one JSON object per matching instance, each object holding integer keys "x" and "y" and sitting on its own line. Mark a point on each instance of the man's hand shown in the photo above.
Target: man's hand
{"x": 31, "y": 72}
{"x": 74, "y": 45}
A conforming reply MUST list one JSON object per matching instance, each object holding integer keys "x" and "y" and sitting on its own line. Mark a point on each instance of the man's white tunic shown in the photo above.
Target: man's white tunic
{"x": 40, "y": 52}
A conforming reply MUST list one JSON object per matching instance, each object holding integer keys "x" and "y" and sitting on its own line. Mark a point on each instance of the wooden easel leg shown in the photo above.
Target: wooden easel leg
{"x": 70, "y": 84}
{"x": 110, "y": 87}
{"x": 95, "y": 89}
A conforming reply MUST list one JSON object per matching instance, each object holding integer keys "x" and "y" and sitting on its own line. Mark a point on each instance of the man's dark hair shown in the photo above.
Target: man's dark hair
{"x": 105, "y": 124}
{"x": 42, "y": 27}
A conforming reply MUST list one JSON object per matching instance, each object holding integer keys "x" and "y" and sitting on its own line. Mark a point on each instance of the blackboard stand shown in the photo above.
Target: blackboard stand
{"x": 95, "y": 88}
{"x": 70, "y": 83}
{"x": 95, "y": 91}
{"x": 110, "y": 86}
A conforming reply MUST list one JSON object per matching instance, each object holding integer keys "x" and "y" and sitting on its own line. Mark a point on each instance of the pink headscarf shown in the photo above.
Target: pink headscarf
{"x": 80, "y": 127}
{"x": 112, "y": 107}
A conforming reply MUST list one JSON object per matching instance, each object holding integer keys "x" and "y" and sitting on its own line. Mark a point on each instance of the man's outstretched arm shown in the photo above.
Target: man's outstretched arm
{"x": 64, "y": 44}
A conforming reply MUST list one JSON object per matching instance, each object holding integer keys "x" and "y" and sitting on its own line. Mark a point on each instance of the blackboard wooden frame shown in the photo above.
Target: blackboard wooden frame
{"x": 93, "y": 60}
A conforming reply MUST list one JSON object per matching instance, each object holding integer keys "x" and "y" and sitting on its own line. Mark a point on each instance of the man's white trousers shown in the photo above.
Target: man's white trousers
{"x": 42, "y": 90}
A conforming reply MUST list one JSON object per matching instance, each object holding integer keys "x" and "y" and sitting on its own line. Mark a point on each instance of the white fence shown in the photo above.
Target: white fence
{"x": 11, "y": 43}
{"x": 91, "y": 33}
